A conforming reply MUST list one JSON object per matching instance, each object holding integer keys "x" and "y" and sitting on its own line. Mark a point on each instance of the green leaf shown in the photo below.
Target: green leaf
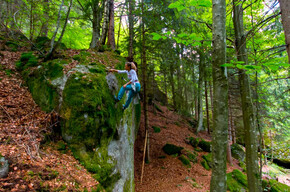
{"x": 156, "y": 36}
{"x": 204, "y": 3}
{"x": 227, "y": 65}
{"x": 240, "y": 66}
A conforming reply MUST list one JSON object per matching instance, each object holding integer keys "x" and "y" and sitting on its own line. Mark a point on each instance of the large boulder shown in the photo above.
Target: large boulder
{"x": 100, "y": 135}
{"x": 238, "y": 152}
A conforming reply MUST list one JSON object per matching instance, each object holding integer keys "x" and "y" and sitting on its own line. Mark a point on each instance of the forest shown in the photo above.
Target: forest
{"x": 212, "y": 113}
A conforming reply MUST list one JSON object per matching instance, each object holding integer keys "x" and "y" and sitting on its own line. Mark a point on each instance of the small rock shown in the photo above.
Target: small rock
{"x": 4, "y": 167}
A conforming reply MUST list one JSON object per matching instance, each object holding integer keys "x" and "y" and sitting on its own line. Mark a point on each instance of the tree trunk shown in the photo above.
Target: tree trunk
{"x": 285, "y": 12}
{"x": 57, "y": 27}
{"x": 62, "y": 32}
{"x": 105, "y": 24}
{"x": 206, "y": 104}
{"x": 220, "y": 99}
{"x": 172, "y": 84}
{"x": 144, "y": 74}
{"x": 96, "y": 23}
{"x": 252, "y": 161}
{"x": 200, "y": 91}
{"x": 131, "y": 29}
{"x": 111, "y": 33}
{"x": 30, "y": 22}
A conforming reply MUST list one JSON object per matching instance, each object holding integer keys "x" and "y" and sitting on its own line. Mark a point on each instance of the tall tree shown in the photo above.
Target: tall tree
{"x": 105, "y": 23}
{"x": 200, "y": 89}
{"x": 96, "y": 21}
{"x": 131, "y": 29}
{"x": 220, "y": 101}
{"x": 252, "y": 160}
{"x": 111, "y": 33}
{"x": 285, "y": 12}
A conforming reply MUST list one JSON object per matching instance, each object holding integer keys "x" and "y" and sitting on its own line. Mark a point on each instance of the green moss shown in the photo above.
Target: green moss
{"x": 42, "y": 42}
{"x": 171, "y": 149}
{"x": 26, "y": 60}
{"x": 158, "y": 108}
{"x": 156, "y": 129}
{"x": 192, "y": 156}
{"x": 205, "y": 146}
{"x": 233, "y": 185}
{"x": 208, "y": 159}
{"x": 82, "y": 57}
{"x": 205, "y": 164}
{"x": 12, "y": 44}
{"x": 238, "y": 152}
{"x": 240, "y": 177}
{"x": 278, "y": 187}
{"x": 54, "y": 68}
{"x": 184, "y": 161}
{"x": 193, "y": 141}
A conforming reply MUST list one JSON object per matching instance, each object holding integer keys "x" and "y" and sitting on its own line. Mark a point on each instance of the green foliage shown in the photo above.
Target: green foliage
{"x": 171, "y": 149}
{"x": 184, "y": 161}
{"x": 278, "y": 187}
{"x": 193, "y": 141}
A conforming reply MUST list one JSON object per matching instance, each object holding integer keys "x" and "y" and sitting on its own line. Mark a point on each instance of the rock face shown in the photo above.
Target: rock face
{"x": 4, "y": 167}
{"x": 100, "y": 135}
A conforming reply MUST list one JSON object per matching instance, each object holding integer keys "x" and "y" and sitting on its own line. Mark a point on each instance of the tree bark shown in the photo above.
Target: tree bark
{"x": 57, "y": 26}
{"x": 206, "y": 105}
{"x": 200, "y": 91}
{"x": 144, "y": 74}
{"x": 252, "y": 161}
{"x": 62, "y": 32}
{"x": 96, "y": 22}
{"x": 285, "y": 13}
{"x": 131, "y": 29}
{"x": 111, "y": 33}
{"x": 220, "y": 99}
{"x": 105, "y": 24}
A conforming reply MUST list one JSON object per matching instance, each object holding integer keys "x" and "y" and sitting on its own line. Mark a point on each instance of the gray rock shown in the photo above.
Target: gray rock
{"x": 4, "y": 167}
{"x": 238, "y": 152}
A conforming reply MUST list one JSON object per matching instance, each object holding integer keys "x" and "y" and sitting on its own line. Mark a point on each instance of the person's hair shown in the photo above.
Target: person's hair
{"x": 131, "y": 65}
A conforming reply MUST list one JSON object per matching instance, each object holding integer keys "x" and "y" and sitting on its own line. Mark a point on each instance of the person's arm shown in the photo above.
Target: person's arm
{"x": 117, "y": 71}
{"x": 128, "y": 83}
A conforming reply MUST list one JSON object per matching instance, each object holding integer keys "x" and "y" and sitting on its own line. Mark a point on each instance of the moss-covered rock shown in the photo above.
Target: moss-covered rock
{"x": 236, "y": 181}
{"x": 193, "y": 141}
{"x": 184, "y": 161}
{"x": 156, "y": 129}
{"x": 238, "y": 152}
{"x": 208, "y": 159}
{"x": 205, "y": 145}
{"x": 171, "y": 149}
{"x": 278, "y": 187}
{"x": 205, "y": 164}
{"x": 100, "y": 135}
{"x": 192, "y": 156}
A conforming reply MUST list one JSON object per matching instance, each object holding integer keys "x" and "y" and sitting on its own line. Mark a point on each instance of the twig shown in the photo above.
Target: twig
{"x": 143, "y": 162}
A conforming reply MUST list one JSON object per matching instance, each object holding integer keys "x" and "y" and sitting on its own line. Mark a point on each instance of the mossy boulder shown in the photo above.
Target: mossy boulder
{"x": 208, "y": 159}
{"x": 237, "y": 181}
{"x": 205, "y": 164}
{"x": 192, "y": 156}
{"x": 193, "y": 141}
{"x": 185, "y": 161}
{"x": 205, "y": 145}
{"x": 275, "y": 186}
{"x": 100, "y": 135}
{"x": 171, "y": 149}
{"x": 238, "y": 152}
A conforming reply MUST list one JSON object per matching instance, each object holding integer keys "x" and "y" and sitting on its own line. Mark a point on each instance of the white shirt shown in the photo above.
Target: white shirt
{"x": 132, "y": 75}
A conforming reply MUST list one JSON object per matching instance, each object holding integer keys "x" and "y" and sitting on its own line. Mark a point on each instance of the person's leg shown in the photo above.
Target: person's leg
{"x": 122, "y": 91}
{"x": 130, "y": 96}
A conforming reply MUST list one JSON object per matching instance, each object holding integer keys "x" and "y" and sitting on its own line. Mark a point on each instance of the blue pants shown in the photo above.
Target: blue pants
{"x": 131, "y": 93}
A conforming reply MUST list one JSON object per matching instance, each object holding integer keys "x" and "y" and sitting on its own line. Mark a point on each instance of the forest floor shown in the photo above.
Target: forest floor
{"x": 166, "y": 173}
{"x": 23, "y": 126}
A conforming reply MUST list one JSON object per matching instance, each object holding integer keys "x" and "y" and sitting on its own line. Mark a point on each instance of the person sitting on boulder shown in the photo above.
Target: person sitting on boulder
{"x": 133, "y": 85}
